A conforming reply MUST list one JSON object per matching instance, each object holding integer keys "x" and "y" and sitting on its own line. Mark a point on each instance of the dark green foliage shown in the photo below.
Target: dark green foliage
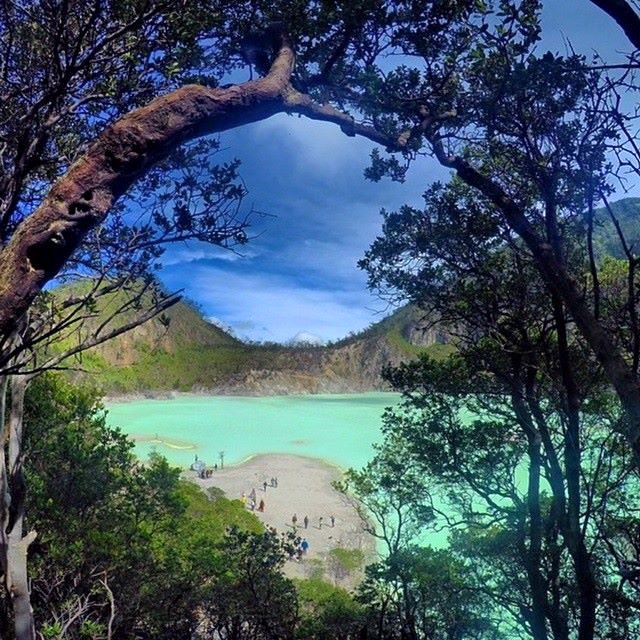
{"x": 132, "y": 547}
{"x": 106, "y": 522}
{"x": 509, "y": 436}
{"x": 420, "y": 592}
{"x": 501, "y": 255}
{"x": 249, "y": 597}
{"x": 327, "y": 611}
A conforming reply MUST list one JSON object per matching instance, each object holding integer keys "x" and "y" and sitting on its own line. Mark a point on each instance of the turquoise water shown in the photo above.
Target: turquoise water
{"x": 340, "y": 429}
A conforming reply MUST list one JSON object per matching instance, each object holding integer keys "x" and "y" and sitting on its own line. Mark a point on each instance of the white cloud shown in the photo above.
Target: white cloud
{"x": 319, "y": 147}
{"x": 301, "y": 272}
{"x": 196, "y": 251}
{"x": 264, "y": 307}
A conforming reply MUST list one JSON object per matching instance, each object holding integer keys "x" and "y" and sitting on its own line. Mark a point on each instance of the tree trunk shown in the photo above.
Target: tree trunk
{"x": 555, "y": 613}
{"x": 626, "y": 17}
{"x": 582, "y": 561}
{"x": 17, "y": 544}
{"x": 4, "y": 494}
{"x": 562, "y": 287}
{"x": 533, "y": 560}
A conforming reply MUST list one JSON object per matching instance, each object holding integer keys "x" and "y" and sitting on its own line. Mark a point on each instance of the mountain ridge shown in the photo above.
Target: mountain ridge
{"x": 198, "y": 356}
{"x": 190, "y": 354}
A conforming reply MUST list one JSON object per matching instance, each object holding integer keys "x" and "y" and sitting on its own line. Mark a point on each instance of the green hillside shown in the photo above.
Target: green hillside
{"x": 627, "y": 213}
{"x": 190, "y": 354}
{"x": 186, "y": 354}
{"x": 406, "y": 331}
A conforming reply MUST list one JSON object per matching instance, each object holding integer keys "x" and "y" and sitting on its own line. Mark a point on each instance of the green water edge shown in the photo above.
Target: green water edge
{"x": 339, "y": 429}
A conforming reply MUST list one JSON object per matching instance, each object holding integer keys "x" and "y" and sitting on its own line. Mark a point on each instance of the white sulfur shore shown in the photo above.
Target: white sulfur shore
{"x": 304, "y": 488}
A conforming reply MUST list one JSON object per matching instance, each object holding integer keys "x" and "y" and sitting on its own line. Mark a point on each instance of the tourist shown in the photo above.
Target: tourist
{"x": 261, "y": 506}
{"x": 243, "y": 498}
{"x": 333, "y": 521}
{"x": 252, "y": 495}
{"x": 304, "y": 545}
{"x": 294, "y": 520}
{"x": 264, "y": 486}
{"x": 275, "y": 480}
{"x": 306, "y": 522}
{"x": 215, "y": 466}
{"x": 320, "y": 519}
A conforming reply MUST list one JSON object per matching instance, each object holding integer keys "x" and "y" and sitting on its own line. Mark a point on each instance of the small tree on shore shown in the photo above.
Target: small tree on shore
{"x": 342, "y": 563}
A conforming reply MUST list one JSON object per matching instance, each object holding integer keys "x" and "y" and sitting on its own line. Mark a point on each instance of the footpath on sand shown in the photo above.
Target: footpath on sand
{"x": 304, "y": 489}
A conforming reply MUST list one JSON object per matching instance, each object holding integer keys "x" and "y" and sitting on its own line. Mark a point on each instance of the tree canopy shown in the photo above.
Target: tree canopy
{"x": 102, "y": 103}
{"x": 530, "y": 132}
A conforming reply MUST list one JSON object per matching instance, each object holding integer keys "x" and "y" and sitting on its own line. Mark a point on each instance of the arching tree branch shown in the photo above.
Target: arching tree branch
{"x": 81, "y": 199}
{"x": 625, "y": 15}
{"x": 124, "y": 152}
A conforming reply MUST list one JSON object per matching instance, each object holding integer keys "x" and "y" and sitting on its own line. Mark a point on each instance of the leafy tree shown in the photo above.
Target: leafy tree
{"x": 423, "y": 593}
{"x": 120, "y": 545}
{"x": 250, "y": 598}
{"x": 528, "y": 133}
{"x": 392, "y": 512}
{"x": 88, "y": 64}
{"x": 512, "y": 432}
{"x": 329, "y": 611}
{"x": 344, "y": 562}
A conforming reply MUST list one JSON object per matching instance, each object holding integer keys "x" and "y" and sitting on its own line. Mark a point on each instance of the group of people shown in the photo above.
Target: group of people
{"x": 201, "y": 468}
{"x": 305, "y": 521}
{"x": 207, "y": 472}
{"x": 252, "y": 501}
{"x": 273, "y": 482}
{"x": 254, "y": 504}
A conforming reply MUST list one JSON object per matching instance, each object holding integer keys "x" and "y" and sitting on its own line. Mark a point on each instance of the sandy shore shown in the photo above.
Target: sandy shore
{"x": 304, "y": 488}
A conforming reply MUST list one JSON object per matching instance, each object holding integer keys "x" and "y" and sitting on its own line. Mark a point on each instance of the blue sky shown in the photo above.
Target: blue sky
{"x": 299, "y": 272}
